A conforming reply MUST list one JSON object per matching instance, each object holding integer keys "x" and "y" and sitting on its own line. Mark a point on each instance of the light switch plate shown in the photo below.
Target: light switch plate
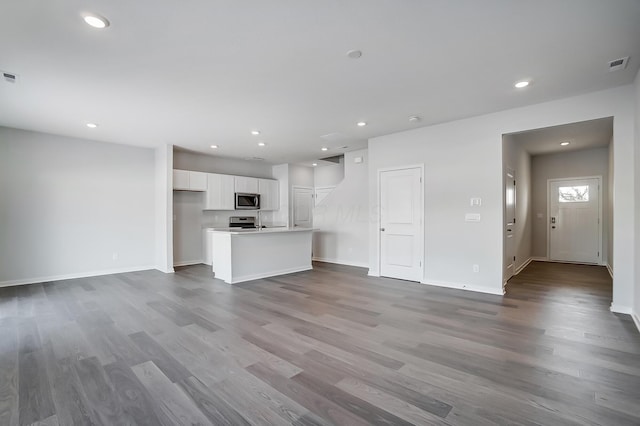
{"x": 472, "y": 217}
{"x": 475, "y": 202}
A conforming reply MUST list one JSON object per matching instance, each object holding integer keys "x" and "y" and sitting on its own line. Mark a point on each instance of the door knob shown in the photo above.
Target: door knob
{"x": 382, "y": 229}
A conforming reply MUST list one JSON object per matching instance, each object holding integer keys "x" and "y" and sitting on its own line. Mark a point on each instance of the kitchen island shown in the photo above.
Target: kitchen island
{"x": 240, "y": 255}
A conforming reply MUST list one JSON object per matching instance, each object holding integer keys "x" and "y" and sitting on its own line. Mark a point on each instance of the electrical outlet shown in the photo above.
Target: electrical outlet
{"x": 476, "y": 268}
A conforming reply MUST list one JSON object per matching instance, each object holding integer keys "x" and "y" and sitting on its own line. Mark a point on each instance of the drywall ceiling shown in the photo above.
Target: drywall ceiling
{"x": 582, "y": 135}
{"x": 206, "y": 72}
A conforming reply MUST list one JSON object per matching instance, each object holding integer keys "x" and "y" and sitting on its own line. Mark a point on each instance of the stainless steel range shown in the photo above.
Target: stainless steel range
{"x": 244, "y": 222}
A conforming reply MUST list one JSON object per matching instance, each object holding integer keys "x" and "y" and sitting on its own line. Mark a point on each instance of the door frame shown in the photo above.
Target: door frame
{"x": 378, "y": 218}
{"x": 507, "y": 170}
{"x": 600, "y": 218}
{"x": 292, "y": 211}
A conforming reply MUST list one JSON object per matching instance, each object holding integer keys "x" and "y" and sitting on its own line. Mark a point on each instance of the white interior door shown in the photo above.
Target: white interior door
{"x": 401, "y": 212}
{"x": 574, "y": 220}
{"x": 509, "y": 224}
{"x": 303, "y": 207}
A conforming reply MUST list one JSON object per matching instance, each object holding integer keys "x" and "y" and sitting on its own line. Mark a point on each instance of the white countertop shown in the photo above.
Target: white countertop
{"x": 236, "y": 231}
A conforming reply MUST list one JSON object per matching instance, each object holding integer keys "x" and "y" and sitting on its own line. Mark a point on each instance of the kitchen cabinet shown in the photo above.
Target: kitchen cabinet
{"x": 220, "y": 192}
{"x": 185, "y": 180}
{"x": 246, "y": 184}
{"x": 269, "y": 191}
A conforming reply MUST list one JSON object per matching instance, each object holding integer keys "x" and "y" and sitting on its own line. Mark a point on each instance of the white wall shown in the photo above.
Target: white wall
{"x": 589, "y": 162}
{"x": 342, "y": 218}
{"x": 463, "y": 159}
{"x": 518, "y": 160}
{"x": 164, "y": 208}
{"x": 67, "y": 205}
{"x": 609, "y": 207}
{"x": 329, "y": 175}
{"x": 185, "y": 160}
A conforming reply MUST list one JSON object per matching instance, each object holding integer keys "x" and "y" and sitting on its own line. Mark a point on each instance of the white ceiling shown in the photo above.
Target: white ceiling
{"x": 200, "y": 72}
{"x": 583, "y": 135}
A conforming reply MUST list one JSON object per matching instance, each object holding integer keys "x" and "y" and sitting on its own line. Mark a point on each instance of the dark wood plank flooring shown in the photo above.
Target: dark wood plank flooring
{"x": 328, "y": 346}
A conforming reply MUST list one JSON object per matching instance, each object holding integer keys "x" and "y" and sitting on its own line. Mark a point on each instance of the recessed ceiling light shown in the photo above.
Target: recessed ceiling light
{"x": 565, "y": 143}
{"x": 96, "y": 21}
{"x": 255, "y": 132}
{"x": 415, "y": 119}
{"x": 361, "y": 123}
{"x": 324, "y": 148}
{"x": 354, "y": 54}
{"x": 261, "y": 144}
{"x": 214, "y": 146}
{"x": 521, "y": 84}
{"x": 92, "y": 125}
{"x": 314, "y": 164}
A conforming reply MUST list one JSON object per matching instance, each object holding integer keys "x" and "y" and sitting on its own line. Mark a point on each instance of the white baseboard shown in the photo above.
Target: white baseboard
{"x": 621, "y": 309}
{"x": 465, "y": 287}
{"x": 539, "y": 259}
{"x": 187, "y": 263}
{"x": 373, "y": 273}
{"x": 636, "y": 320}
{"x": 524, "y": 265}
{"x": 75, "y": 275}
{"x": 340, "y": 262}
{"x": 610, "y": 269}
{"x": 268, "y": 274}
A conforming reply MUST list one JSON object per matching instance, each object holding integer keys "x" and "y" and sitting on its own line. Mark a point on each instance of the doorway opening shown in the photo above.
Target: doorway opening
{"x": 547, "y": 163}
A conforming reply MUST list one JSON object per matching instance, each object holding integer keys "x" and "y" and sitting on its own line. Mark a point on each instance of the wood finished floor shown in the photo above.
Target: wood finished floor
{"x": 328, "y": 346}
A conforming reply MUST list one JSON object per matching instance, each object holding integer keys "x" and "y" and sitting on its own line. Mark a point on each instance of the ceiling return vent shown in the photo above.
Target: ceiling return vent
{"x": 618, "y": 64}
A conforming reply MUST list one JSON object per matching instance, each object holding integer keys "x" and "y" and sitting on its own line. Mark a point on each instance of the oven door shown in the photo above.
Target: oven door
{"x": 247, "y": 201}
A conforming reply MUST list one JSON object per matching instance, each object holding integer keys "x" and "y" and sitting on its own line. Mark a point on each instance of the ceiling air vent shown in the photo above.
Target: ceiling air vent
{"x": 618, "y": 64}
{"x": 9, "y": 77}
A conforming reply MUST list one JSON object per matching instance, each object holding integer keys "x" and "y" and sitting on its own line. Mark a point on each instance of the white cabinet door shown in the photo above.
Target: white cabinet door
{"x": 220, "y": 192}
{"x": 245, "y": 184}
{"x": 197, "y": 181}
{"x": 269, "y": 194}
{"x": 181, "y": 180}
{"x": 185, "y": 180}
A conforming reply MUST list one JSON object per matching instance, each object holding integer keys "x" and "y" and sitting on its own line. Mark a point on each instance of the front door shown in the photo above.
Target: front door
{"x": 302, "y": 207}
{"x": 574, "y": 220}
{"x": 509, "y": 224}
{"x": 401, "y": 212}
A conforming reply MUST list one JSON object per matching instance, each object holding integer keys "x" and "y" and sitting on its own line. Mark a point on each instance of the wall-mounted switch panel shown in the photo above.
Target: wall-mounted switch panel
{"x": 472, "y": 217}
{"x": 475, "y": 202}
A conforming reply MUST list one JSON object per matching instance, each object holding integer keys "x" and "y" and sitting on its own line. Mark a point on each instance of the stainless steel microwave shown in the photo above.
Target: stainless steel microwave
{"x": 246, "y": 201}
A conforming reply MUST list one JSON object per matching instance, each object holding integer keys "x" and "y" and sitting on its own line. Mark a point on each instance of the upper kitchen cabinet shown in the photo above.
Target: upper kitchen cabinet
{"x": 246, "y": 184}
{"x": 269, "y": 191}
{"x": 185, "y": 180}
{"x": 220, "y": 192}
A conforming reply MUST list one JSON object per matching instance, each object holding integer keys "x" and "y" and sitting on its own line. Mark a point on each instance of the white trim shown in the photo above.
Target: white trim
{"x": 464, "y": 287}
{"x": 75, "y": 275}
{"x": 610, "y": 269}
{"x": 373, "y": 273}
{"x": 539, "y": 259}
{"x": 600, "y": 216}
{"x": 188, "y": 262}
{"x": 268, "y": 274}
{"x": 340, "y": 262}
{"x": 524, "y": 265}
{"x": 621, "y": 309}
{"x": 636, "y": 320}
{"x": 422, "y": 217}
